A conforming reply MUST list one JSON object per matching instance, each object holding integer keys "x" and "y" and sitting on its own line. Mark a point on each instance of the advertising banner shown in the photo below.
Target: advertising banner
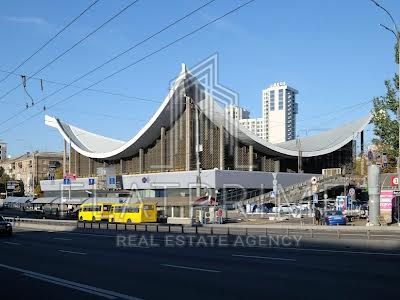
{"x": 386, "y": 205}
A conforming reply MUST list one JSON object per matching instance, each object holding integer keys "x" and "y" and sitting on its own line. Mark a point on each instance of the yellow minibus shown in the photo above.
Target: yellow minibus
{"x": 94, "y": 212}
{"x": 133, "y": 213}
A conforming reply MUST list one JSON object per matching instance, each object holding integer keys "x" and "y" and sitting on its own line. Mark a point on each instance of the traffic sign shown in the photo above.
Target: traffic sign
{"x": 219, "y": 212}
{"x": 91, "y": 181}
{"x": 352, "y": 192}
{"x": 315, "y": 198}
{"x": 384, "y": 160}
{"x": 66, "y": 181}
{"x": 394, "y": 181}
{"x": 70, "y": 176}
{"x": 314, "y": 180}
{"x": 370, "y": 155}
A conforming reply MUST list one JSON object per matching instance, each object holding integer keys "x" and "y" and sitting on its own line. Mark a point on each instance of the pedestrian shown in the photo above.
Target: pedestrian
{"x": 317, "y": 216}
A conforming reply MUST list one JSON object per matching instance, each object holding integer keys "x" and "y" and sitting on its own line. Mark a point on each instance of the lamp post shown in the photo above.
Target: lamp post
{"x": 397, "y": 37}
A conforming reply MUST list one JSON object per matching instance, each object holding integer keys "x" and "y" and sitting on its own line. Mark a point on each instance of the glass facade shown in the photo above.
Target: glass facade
{"x": 272, "y": 100}
{"x": 280, "y": 106}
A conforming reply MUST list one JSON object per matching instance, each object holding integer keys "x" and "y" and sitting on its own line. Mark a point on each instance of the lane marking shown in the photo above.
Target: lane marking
{"x": 191, "y": 268}
{"x": 62, "y": 239}
{"x": 69, "y": 286}
{"x": 337, "y": 251}
{"x": 12, "y": 243}
{"x": 264, "y": 257}
{"x": 90, "y": 234}
{"x": 72, "y": 284}
{"x": 73, "y": 252}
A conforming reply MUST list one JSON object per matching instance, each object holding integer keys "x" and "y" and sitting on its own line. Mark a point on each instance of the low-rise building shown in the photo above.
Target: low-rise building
{"x": 3, "y": 150}
{"x": 33, "y": 167}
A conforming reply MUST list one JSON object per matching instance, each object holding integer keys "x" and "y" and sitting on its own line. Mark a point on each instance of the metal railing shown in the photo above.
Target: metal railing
{"x": 306, "y": 231}
{"x": 325, "y": 232}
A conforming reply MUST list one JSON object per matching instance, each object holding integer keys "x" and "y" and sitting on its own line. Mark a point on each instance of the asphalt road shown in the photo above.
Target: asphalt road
{"x": 77, "y": 265}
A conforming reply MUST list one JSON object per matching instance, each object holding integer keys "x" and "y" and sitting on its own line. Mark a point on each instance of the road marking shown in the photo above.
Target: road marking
{"x": 12, "y": 243}
{"x": 62, "y": 239}
{"x": 72, "y": 252}
{"x": 89, "y": 234}
{"x": 264, "y": 257}
{"x": 338, "y": 251}
{"x": 71, "y": 284}
{"x": 190, "y": 268}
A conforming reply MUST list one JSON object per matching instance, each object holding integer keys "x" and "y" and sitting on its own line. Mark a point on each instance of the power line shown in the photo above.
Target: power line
{"x": 73, "y": 46}
{"x": 51, "y": 39}
{"x": 114, "y": 58}
{"x": 80, "y": 87}
{"x": 136, "y": 62}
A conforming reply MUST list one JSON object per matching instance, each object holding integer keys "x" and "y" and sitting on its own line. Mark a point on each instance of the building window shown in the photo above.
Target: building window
{"x": 280, "y": 100}
{"x": 272, "y": 100}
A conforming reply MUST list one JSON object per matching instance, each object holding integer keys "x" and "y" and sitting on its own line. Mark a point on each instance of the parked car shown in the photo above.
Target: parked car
{"x": 335, "y": 217}
{"x": 282, "y": 209}
{"x": 5, "y": 226}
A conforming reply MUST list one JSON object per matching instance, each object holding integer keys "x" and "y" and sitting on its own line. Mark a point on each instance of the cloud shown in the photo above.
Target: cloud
{"x": 25, "y": 20}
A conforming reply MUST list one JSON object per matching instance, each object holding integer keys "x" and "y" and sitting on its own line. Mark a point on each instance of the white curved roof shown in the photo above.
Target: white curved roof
{"x": 96, "y": 146}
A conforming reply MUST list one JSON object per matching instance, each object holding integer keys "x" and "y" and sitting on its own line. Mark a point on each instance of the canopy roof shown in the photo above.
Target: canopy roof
{"x": 97, "y": 146}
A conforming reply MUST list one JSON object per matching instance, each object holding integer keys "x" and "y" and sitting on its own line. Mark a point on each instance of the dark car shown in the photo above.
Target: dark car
{"x": 5, "y": 226}
{"x": 335, "y": 217}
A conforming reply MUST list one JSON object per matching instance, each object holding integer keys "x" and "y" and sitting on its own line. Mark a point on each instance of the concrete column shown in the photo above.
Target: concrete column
{"x": 251, "y": 157}
{"x": 236, "y": 156}
{"x": 263, "y": 163}
{"x": 172, "y": 211}
{"x": 188, "y": 135}
{"x": 121, "y": 161}
{"x": 221, "y": 148}
{"x": 76, "y": 162}
{"x": 277, "y": 166}
{"x": 69, "y": 159}
{"x": 141, "y": 161}
{"x": 374, "y": 194}
{"x": 90, "y": 167}
{"x": 182, "y": 212}
{"x": 163, "y": 154}
{"x": 65, "y": 158}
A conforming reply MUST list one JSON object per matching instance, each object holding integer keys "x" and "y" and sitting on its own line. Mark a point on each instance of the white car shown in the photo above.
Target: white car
{"x": 282, "y": 209}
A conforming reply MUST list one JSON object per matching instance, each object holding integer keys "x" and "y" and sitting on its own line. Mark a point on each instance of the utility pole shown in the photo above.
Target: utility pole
{"x": 397, "y": 37}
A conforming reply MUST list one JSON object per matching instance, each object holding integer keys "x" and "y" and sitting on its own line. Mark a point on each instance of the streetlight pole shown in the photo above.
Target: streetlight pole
{"x": 397, "y": 36}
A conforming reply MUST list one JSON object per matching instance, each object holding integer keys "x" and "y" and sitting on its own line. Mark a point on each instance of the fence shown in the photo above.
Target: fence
{"x": 306, "y": 231}
{"x": 335, "y": 232}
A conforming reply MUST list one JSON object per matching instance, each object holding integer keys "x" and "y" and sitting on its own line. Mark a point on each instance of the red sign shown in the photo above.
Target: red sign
{"x": 219, "y": 213}
{"x": 386, "y": 199}
{"x": 394, "y": 181}
{"x": 70, "y": 176}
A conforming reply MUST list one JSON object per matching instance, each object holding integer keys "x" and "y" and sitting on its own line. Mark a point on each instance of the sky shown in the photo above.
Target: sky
{"x": 333, "y": 52}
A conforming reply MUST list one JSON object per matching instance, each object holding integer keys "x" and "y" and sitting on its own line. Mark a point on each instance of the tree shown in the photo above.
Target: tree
{"x": 3, "y": 176}
{"x": 385, "y": 118}
{"x": 38, "y": 191}
{"x": 59, "y": 173}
